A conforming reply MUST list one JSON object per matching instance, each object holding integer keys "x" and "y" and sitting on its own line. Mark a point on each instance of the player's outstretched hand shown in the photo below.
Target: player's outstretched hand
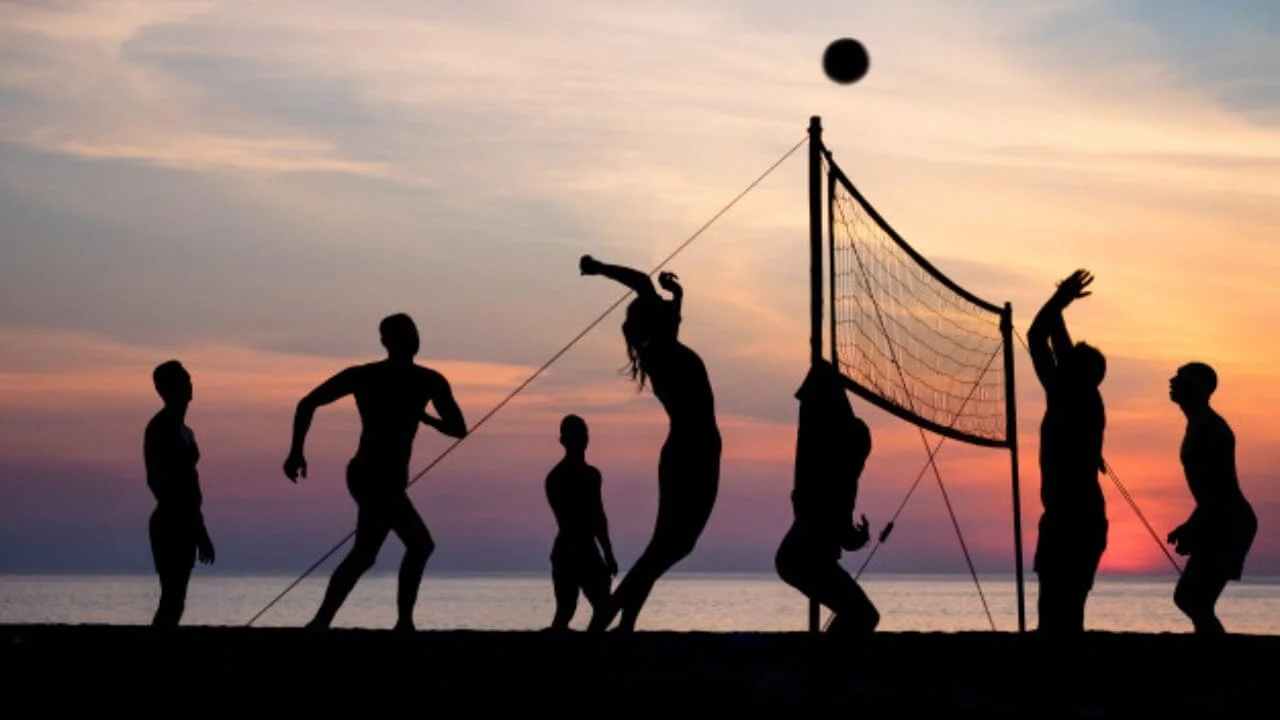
{"x": 669, "y": 282}
{"x": 588, "y": 265}
{"x": 295, "y": 465}
{"x": 859, "y": 535}
{"x": 1073, "y": 287}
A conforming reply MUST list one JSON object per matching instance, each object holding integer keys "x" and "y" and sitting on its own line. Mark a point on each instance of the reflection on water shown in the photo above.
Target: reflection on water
{"x": 710, "y": 602}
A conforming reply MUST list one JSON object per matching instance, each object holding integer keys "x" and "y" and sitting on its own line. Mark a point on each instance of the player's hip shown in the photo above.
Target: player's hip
{"x": 371, "y": 478}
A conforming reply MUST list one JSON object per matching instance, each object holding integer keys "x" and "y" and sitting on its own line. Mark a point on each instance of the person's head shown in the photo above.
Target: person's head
{"x": 649, "y": 321}
{"x": 399, "y": 335}
{"x": 1193, "y": 384}
{"x": 1085, "y": 365}
{"x": 172, "y": 382}
{"x": 573, "y": 433}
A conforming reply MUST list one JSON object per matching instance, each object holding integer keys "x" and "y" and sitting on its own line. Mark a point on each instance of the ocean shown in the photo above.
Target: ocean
{"x": 680, "y": 602}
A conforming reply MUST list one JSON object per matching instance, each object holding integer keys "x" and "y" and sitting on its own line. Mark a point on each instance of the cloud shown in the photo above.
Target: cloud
{"x": 73, "y": 87}
{"x": 251, "y": 186}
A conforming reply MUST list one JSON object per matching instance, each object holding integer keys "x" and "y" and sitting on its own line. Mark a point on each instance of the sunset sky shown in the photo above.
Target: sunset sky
{"x": 251, "y": 187}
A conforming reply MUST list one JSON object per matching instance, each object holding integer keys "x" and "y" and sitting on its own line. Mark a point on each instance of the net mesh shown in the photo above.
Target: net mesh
{"x": 903, "y": 334}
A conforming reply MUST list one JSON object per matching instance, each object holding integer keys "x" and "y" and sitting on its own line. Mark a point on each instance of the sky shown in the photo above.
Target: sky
{"x": 251, "y": 187}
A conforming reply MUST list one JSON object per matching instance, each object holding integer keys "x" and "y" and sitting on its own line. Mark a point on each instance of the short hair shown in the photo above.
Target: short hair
{"x": 398, "y": 331}
{"x": 573, "y": 424}
{"x": 166, "y": 375}
{"x": 1202, "y": 375}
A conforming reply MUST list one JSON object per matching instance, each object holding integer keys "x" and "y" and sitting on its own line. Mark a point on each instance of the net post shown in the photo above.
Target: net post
{"x": 815, "y": 276}
{"x": 1011, "y": 432}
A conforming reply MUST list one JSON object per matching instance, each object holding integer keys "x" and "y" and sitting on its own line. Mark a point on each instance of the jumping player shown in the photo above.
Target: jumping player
{"x": 689, "y": 465}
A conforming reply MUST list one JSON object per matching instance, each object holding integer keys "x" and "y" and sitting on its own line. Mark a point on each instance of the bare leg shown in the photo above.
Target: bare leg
{"x": 566, "y": 589}
{"x": 660, "y": 556}
{"x": 1061, "y": 605}
{"x": 372, "y": 527}
{"x": 1197, "y": 594}
{"x": 173, "y": 597}
{"x": 418, "y": 546}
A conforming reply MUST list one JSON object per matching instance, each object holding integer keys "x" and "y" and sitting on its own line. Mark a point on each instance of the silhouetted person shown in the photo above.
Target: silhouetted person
{"x": 177, "y": 529}
{"x": 1220, "y": 531}
{"x": 573, "y": 491}
{"x": 689, "y": 465}
{"x": 831, "y": 450}
{"x": 391, "y": 396}
{"x": 1073, "y": 527}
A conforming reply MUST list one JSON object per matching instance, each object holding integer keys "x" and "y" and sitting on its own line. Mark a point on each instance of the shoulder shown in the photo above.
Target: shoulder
{"x": 431, "y": 377}
{"x": 592, "y": 475}
{"x": 1221, "y": 430}
{"x": 355, "y": 373}
{"x": 161, "y": 422}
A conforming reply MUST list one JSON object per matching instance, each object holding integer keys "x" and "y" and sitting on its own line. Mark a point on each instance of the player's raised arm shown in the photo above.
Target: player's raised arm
{"x": 1047, "y": 338}
{"x": 331, "y": 390}
{"x": 634, "y": 279}
{"x": 450, "y": 421}
{"x": 671, "y": 284}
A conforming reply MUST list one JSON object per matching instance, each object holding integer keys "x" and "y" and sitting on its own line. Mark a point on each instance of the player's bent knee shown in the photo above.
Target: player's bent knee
{"x": 1185, "y": 599}
{"x": 681, "y": 548}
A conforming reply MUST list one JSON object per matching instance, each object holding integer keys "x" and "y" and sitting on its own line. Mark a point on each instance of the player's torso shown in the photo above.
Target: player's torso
{"x": 681, "y": 384}
{"x": 1071, "y": 436}
{"x": 391, "y": 399}
{"x": 1208, "y": 459}
{"x": 568, "y": 490}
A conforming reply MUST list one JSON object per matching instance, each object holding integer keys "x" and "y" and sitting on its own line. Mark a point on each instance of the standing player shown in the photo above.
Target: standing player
{"x": 1073, "y": 527}
{"x": 177, "y": 529}
{"x": 1220, "y": 531}
{"x": 573, "y": 491}
{"x": 392, "y": 396}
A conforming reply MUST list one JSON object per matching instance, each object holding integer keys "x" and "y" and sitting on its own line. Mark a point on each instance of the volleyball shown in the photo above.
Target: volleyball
{"x": 845, "y": 61}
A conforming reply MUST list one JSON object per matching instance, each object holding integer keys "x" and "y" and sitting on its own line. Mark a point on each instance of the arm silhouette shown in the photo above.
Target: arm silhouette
{"x": 159, "y": 464}
{"x": 330, "y": 390}
{"x": 1047, "y": 338}
{"x": 600, "y": 525}
{"x": 671, "y": 284}
{"x": 450, "y": 421}
{"x": 204, "y": 543}
{"x": 634, "y": 279}
{"x": 856, "y": 534}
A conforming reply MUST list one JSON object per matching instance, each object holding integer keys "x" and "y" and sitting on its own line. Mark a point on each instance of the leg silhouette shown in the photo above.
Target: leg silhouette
{"x": 372, "y": 529}
{"x": 566, "y": 590}
{"x": 418, "y": 546}
{"x": 173, "y": 597}
{"x": 1197, "y": 594}
{"x": 662, "y": 553}
{"x": 1061, "y": 605}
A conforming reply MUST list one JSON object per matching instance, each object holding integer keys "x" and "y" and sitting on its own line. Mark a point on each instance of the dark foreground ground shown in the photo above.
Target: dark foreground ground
{"x": 664, "y": 676}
